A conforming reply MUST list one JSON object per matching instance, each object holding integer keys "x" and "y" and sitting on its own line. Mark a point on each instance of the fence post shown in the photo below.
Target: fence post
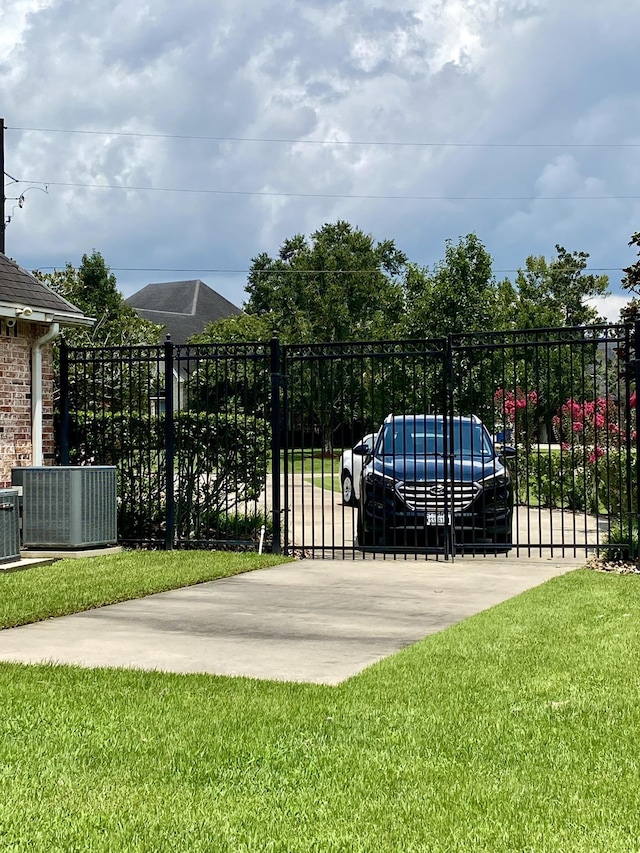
{"x": 449, "y": 532}
{"x": 275, "y": 445}
{"x": 169, "y": 443}
{"x": 634, "y": 527}
{"x": 64, "y": 403}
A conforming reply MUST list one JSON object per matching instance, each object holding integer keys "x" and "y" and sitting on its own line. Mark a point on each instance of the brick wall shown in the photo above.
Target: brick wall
{"x": 15, "y": 398}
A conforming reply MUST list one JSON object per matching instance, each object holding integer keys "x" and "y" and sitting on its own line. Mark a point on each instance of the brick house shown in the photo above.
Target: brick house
{"x": 31, "y": 316}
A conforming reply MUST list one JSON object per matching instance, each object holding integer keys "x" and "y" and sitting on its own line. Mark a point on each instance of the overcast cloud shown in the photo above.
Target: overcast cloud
{"x": 554, "y": 79}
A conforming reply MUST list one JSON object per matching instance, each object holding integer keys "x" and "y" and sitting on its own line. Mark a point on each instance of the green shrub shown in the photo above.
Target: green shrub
{"x": 557, "y": 483}
{"x": 220, "y": 470}
{"x": 623, "y": 542}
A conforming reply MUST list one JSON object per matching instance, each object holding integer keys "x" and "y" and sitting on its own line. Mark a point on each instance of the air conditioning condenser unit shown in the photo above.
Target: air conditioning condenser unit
{"x": 9, "y": 525}
{"x": 69, "y": 506}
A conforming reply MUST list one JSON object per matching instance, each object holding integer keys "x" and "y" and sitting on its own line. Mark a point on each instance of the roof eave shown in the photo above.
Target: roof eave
{"x": 43, "y": 315}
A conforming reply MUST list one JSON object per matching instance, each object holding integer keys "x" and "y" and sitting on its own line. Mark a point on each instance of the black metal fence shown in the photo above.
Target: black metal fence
{"x": 189, "y": 429}
{"x": 251, "y": 445}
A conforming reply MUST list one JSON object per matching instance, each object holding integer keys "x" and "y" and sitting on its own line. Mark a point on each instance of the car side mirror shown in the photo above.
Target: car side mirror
{"x": 507, "y": 452}
{"x": 362, "y": 450}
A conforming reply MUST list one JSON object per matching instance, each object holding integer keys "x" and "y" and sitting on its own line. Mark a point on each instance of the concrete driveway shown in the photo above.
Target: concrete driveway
{"x": 318, "y": 621}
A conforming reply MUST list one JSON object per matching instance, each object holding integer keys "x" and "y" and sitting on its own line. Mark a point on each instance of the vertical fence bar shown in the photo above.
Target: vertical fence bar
{"x": 169, "y": 439}
{"x": 634, "y": 525}
{"x": 285, "y": 447}
{"x": 447, "y": 446}
{"x": 64, "y": 403}
{"x": 275, "y": 445}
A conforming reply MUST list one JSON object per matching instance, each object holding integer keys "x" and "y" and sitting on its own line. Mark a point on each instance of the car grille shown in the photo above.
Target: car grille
{"x": 430, "y": 497}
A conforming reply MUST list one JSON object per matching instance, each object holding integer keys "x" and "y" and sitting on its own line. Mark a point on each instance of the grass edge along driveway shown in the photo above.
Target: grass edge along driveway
{"x": 513, "y": 731}
{"x": 73, "y": 585}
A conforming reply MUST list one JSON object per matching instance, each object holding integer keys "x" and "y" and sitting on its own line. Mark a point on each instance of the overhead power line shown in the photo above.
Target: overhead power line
{"x": 367, "y": 196}
{"x": 218, "y": 271}
{"x": 340, "y": 142}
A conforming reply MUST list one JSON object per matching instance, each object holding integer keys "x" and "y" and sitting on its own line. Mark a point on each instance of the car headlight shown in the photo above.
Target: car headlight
{"x": 500, "y": 478}
{"x": 377, "y": 478}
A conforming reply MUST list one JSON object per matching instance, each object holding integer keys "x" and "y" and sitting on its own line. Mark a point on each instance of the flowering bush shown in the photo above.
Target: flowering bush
{"x": 591, "y": 472}
{"x": 589, "y": 428}
{"x": 593, "y": 438}
{"x": 516, "y": 411}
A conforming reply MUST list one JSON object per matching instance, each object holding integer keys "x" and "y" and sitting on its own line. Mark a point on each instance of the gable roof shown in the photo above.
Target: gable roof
{"x": 21, "y": 292}
{"x": 183, "y": 307}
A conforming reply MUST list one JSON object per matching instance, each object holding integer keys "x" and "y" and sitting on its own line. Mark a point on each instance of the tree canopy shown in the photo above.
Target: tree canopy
{"x": 631, "y": 280}
{"x": 93, "y": 288}
{"x": 338, "y": 285}
{"x": 460, "y": 294}
{"x": 556, "y": 292}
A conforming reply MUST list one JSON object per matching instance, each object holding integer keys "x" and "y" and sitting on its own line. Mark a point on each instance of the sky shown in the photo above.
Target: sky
{"x": 181, "y": 140}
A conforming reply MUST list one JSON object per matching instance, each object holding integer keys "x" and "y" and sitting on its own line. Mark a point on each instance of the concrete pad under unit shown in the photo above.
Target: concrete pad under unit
{"x": 69, "y": 554}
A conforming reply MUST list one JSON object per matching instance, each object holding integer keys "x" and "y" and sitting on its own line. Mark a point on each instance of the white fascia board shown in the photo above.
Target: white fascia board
{"x": 42, "y": 315}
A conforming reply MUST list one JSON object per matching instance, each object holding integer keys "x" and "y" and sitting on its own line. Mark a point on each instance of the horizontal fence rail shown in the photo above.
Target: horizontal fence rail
{"x": 513, "y": 442}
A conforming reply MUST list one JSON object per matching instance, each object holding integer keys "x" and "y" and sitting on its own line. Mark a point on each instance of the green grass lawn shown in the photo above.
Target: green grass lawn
{"x": 69, "y": 586}
{"x": 322, "y": 472}
{"x": 516, "y": 730}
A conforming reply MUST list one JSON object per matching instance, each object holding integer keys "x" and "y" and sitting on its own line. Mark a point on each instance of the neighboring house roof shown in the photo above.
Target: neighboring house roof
{"x": 23, "y": 295}
{"x": 183, "y": 307}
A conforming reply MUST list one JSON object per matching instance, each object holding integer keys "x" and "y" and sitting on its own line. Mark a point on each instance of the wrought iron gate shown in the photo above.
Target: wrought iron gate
{"x": 248, "y": 445}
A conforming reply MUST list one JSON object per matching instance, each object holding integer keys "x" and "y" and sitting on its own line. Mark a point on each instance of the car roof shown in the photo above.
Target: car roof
{"x": 433, "y": 417}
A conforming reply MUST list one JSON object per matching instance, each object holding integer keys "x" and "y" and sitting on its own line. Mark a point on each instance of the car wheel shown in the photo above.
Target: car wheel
{"x": 503, "y": 541}
{"x": 348, "y": 494}
{"x": 366, "y": 538}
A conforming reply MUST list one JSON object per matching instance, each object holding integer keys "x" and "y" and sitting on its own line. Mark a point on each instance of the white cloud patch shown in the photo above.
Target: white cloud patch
{"x": 609, "y": 307}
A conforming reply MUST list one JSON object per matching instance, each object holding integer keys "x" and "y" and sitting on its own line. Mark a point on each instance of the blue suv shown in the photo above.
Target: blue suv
{"x": 430, "y": 476}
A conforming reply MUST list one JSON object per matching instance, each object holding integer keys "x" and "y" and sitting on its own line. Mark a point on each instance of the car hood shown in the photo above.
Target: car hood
{"x": 432, "y": 468}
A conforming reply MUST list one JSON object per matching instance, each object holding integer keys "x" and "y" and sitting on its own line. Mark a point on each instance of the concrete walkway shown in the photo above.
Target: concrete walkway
{"x": 318, "y": 621}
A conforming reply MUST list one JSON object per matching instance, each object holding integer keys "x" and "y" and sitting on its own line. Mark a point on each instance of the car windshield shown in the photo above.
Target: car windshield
{"x": 426, "y": 436}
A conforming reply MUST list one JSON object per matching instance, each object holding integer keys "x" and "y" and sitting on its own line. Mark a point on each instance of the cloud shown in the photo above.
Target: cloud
{"x": 426, "y": 72}
{"x": 609, "y": 307}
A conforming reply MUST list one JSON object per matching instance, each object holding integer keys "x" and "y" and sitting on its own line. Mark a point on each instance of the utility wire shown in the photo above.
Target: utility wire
{"x": 216, "y": 271}
{"x": 286, "y": 141}
{"x": 370, "y": 197}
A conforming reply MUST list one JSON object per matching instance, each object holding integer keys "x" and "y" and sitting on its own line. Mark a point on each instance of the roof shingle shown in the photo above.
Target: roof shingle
{"x": 19, "y": 287}
{"x": 183, "y": 307}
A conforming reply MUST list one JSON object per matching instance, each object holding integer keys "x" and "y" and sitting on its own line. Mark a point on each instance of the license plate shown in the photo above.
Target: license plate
{"x": 434, "y": 518}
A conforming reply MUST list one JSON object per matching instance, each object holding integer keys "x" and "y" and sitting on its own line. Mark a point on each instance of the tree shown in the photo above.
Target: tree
{"x": 105, "y": 383}
{"x": 549, "y": 295}
{"x": 459, "y": 295}
{"x": 338, "y": 285}
{"x": 631, "y": 280}
{"x": 93, "y": 288}
{"x": 555, "y": 293}
{"x": 240, "y": 328}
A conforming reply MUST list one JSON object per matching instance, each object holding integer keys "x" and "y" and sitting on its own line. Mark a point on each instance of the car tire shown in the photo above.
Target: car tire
{"x": 503, "y": 541}
{"x": 348, "y": 493}
{"x": 365, "y": 538}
